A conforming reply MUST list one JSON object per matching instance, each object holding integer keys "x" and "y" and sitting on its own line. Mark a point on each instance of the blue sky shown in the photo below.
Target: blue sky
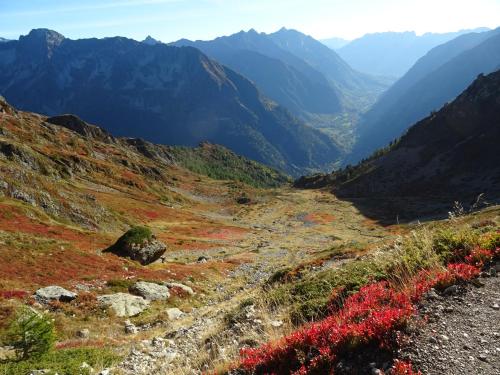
{"x": 169, "y": 20}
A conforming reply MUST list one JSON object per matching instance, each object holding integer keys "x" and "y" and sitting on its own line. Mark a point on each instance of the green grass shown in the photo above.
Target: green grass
{"x": 63, "y": 362}
{"x": 135, "y": 235}
{"x": 308, "y": 297}
{"x": 219, "y": 163}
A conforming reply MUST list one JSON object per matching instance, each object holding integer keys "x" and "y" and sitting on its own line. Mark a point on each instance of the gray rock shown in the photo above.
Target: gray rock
{"x": 203, "y": 259}
{"x": 185, "y": 288}
{"x": 54, "y": 293}
{"x": 150, "y": 291}
{"x": 495, "y": 306}
{"x": 83, "y": 333}
{"x": 431, "y": 294}
{"x": 276, "y": 323}
{"x": 451, "y": 290}
{"x": 124, "y": 304}
{"x": 147, "y": 253}
{"x": 130, "y": 328}
{"x": 174, "y": 313}
{"x": 23, "y": 196}
{"x": 483, "y": 357}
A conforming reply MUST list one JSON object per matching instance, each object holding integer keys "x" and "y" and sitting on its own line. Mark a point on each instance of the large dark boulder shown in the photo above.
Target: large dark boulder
{"x": 139, "y": 244}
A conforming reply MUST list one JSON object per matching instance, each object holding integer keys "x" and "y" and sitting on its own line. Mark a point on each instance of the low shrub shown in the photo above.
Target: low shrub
{"x": 30, "y": 334}
{"x": 371, "y": 316}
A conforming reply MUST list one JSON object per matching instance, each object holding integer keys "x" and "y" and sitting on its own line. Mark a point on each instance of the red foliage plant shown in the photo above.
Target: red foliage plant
{"x": 13, "y": 294}
{"x": 403, "y": 368}
{"x": 371, "y": 316}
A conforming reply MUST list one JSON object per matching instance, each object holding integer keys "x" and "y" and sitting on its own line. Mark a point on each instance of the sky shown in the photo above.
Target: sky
{"x": 170, "y": 20}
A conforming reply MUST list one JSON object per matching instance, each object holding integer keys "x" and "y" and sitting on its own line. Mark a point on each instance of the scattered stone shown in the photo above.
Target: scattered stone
{"x": 448, "y": 309}
{"x": 124, "y": 304}
{"x": 495, "y": 306}
{"x": 130, "y": 328}
{"x": 150, "y": 291}
{"x": 87, "y": 368}
{"x": 106, "y": 371}
{"x": 174, "y": 313}
{"x": 83, "y": 333}
{"x": 432, "y": 295}
{"x": 482, "y": 357}
{"x": 451, "y": 290}
{"x": 243, "y": 200}
{"x": 54, "y": 293}
{"x": 276, "y": 323}
{"x": 203, "y": 259}
{"x": 185, "y": 288}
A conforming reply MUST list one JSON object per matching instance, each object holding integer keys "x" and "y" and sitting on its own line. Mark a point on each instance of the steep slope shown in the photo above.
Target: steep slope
{"x": 392, "y": 53}
{"x": 435, "y": 79}
{"x": 327, "y": 62}
{"x": 162, "y": 93}
{"x": 280, "y": 75}
{"x": 452, "y": 154}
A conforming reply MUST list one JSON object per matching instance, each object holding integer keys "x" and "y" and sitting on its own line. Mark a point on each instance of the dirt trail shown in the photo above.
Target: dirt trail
{"x": 282, "y": 231}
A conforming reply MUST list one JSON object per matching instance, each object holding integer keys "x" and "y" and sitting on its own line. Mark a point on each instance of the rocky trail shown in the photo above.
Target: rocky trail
{"x": 462, "y": 335}
{"x": 284, "y": 231}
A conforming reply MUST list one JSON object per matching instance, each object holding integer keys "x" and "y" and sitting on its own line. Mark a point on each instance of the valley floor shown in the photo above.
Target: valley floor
{"x": 293, "y": 228}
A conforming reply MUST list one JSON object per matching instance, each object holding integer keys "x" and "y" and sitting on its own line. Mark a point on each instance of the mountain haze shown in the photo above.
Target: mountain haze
{"x": 434, "y": 80}
{"x": 392, "y": 53}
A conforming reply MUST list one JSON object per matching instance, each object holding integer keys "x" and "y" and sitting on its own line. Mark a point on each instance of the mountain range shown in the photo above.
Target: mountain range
{"x": 438, "y": 77}
{"x": 162, "y": 93}
{"x": 451, "y": 155}
{"x": 392, "y": 53}
{"x": 300, "y": 73}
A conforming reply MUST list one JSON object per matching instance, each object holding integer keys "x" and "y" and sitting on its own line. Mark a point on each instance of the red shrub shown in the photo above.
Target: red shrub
{"x": 479, "y": 257}
{"x": 403, "y": 368}
{"x": 371, "y": 316}
{"x": 13, "y": 294}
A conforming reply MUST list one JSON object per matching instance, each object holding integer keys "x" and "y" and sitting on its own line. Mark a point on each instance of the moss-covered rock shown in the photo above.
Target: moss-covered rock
{"x": 139, "y": 244}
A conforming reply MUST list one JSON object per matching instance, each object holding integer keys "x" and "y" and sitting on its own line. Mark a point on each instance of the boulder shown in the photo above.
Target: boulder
{"x": 203, "y": 259}
{"x": 123, "y": 304}
{"x": 139, "y": 244}
{"x": 183, "y": 287}
{"x": 150, "y": 291}
{"x": 54, "y": 293}
{"x": 130, "y": 328}
{"x": 83, "y": 333}
{"x": 174, "y": 313}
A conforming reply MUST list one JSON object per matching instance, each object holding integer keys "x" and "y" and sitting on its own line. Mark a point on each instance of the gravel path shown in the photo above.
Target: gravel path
{"x": 462, "y": 335}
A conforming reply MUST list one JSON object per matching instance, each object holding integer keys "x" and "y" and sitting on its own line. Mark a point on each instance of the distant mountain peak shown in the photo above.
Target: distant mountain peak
{"x": 44, "y": 35}
{"x": 151, "y": 41}
{"x": 41, "y": 42}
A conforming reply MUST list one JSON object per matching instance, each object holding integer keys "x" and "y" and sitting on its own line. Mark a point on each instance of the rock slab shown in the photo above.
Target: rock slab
{"x": 150, "y": 291}
{"x": 123, "y": 304}
{"x": 54, "y": 293}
